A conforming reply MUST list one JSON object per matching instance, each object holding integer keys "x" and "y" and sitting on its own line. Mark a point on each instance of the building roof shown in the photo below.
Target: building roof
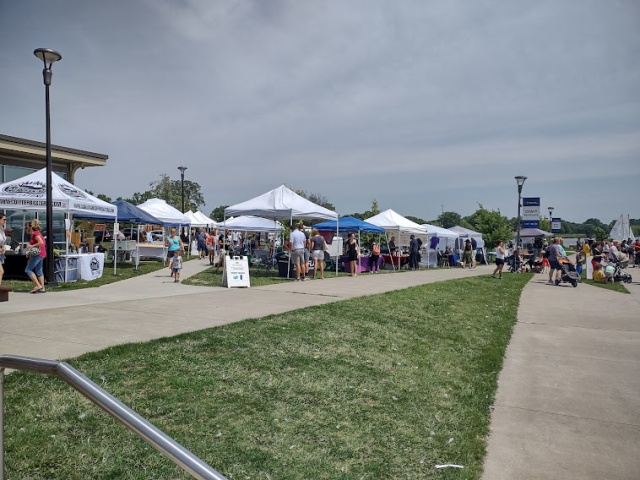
{"x": 29, "y": 150}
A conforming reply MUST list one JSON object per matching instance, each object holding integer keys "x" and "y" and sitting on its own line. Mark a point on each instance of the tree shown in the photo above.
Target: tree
{"x": 316, "y": 198}
{"x": 417, "y": 220}
{"x": 449, "y": 219}
{"x": 218, "y": 213}
{"x": 375, "y": 210}
{"x": 492, "y": 224}
{"x": 100, "y": 196}
{"x": 171, "y": 191}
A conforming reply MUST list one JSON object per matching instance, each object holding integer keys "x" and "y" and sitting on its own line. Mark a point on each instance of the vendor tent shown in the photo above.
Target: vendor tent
{"x": 168, "y": 215}
{"x": 394, "y": 222}
{"x": 206, "y": 220}
{"x": 281, "y": 203}
{"x": 251, "y": 223}
{"x": 195, "y": 221}
{"x": 435, "y": 237}
{"x": 127, "y": 213}
{"x": 348, "y": 224}
{"x": 534, "y": 232}
{"x": 466, "y": 233}
{"x": 30, "y": 193}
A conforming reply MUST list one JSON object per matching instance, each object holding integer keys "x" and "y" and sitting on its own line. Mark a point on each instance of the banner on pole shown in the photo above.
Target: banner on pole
{"x": 556, "y": 225}
{"x": 531, "y": 212}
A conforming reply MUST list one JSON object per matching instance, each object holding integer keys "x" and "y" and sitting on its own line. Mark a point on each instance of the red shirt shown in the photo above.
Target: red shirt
{"x": 34, "y": 240}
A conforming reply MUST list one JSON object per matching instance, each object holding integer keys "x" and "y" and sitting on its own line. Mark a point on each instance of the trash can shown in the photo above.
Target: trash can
{"x": 283, "y": 265}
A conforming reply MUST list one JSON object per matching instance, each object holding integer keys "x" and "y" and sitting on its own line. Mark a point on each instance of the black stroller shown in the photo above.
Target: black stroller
{"x": 569, "y": 273}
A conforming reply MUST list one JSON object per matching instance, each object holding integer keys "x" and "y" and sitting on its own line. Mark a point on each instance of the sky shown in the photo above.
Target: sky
{"x": 425, "y": 106}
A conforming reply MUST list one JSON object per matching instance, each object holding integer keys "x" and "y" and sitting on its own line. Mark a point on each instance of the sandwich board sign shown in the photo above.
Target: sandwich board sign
{"x": 236, "y": 272}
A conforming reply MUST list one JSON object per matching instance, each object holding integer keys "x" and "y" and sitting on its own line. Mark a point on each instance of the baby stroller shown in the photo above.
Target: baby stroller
{"x": 619, "y": 273}
{"x": 514, "y": 264}
{"x": 569, "y": 273}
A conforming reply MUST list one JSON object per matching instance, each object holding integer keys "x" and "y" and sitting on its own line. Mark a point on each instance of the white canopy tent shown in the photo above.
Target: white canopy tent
{"x": 202, "y": 218}
{"x": 281, "y": 203}
{"x": 435, "y": 231}
{"x": 29, "y": 193}
{"x": 394, "y": 223}
{"x": 194, "y": 220}
{"x": 251, "y": 223}
{"x": 164, "y": 212}
{"x": 468, "y": 234}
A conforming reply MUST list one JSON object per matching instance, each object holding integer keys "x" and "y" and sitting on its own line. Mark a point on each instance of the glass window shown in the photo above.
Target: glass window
{"x": 13, "y": 173}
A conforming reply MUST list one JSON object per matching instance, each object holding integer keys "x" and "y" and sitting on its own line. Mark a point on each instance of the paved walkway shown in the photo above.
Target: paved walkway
{"x": 568, "y": 401}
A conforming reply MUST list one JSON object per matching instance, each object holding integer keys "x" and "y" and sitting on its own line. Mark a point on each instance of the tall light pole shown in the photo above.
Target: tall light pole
{"x": 48, "y": 57}
{"x": 520, "y": 179}
{"x": 550, "y": 218}
{"x": 182, "y": 169}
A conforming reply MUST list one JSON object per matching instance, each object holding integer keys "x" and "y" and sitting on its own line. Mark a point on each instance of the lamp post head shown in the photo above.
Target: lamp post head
{"x": 182, "y": 169}
{"x": 550, "y": 210}
{"x": 48, "y": 57}
{"x": 520, "y": 179}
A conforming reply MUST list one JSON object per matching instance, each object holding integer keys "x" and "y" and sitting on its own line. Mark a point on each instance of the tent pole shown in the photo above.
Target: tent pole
{"x": 115, "y": 247}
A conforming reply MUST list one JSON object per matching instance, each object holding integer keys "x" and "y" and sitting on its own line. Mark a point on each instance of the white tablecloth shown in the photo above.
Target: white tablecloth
{"x": 152, "y": 251}
{"x": 90, "y": 265}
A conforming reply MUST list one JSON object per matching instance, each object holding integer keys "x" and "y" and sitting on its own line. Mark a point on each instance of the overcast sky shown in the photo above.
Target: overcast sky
{"x": 423, "y": 105}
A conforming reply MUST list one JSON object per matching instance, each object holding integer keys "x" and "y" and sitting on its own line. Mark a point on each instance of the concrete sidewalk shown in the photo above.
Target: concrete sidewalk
{"x": 66, "y": 324}
{"x": 568, "y": 400}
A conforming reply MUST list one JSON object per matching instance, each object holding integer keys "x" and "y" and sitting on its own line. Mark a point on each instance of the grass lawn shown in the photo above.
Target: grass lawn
{"x": 124, "y": 271}
{"x": 616, "y": 287}
{"x": 385, "y": 386}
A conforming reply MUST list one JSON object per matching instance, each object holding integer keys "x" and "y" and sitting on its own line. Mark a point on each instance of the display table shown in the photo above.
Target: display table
{"x": 363, "y": 263}
{"x": 124, "y": 248}
{"x": 394, "y": 260}
{"x": 152, "y": 250}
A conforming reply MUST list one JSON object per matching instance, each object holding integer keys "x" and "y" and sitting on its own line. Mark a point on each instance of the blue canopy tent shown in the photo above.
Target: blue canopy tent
{"x": 127, "y": 213}
{"x": 349, "y": 225}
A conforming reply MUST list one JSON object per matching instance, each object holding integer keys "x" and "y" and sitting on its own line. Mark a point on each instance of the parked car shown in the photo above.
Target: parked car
{"x": 131, "y": 233}
{"x": 100, "y": 235}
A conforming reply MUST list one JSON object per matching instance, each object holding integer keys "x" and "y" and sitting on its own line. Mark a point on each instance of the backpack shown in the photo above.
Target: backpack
{"x": 546, "y": 253}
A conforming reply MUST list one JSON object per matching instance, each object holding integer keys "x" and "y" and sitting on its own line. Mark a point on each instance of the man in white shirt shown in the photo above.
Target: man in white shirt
{"x": 297, "y": 240}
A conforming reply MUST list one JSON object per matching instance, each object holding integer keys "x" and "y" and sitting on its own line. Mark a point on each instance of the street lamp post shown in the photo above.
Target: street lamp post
{"x": 520, "y": 179}
{"x": 48, "y": 57}
{"x": 182, "y": 169}
{"x": 550, "y": 217}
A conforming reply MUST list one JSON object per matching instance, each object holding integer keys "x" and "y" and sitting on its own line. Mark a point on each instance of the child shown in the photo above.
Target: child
{"x": 598, "y": 274}
{"x": 176, "y": 266}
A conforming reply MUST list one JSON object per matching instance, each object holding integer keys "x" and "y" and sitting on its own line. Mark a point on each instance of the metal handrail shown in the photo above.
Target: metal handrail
{"x": 141, "y": 427}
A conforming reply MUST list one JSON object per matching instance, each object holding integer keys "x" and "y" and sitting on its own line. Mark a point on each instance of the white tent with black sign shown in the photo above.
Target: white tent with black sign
{"x": 30, "y": 193}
